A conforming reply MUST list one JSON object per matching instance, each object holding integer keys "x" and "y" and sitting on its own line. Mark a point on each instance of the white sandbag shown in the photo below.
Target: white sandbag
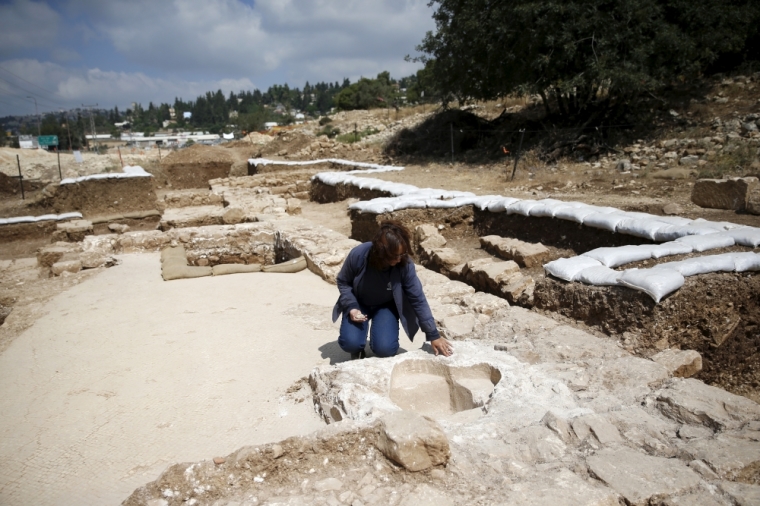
{"x": 671, "y": 233}
{"x": 701, "y": 265}
{"x": 746, "y": 236}
{"x": 522, "y": 207}
{"x": 638, "y": 227}
{"x": 598, "y": 276}
{"x": 657, "y": 283}
{"x": 621, "y": 255}
{"x": 604, "y": 221}
{"x": 373, "y": 207}
{"x": 674, "y": 220}
{"x": 706, "y": 242}
{"x": 484, "y": 201}
{"x": 404, "y": 203}
{"x": 746, "y": 261}
{"x": 500, "y": 205}
{"x": 568, "y": 268}
{"x": 671, "y": 248}
{"x": 576, "y": 214}
{"x": 545, "y": 208}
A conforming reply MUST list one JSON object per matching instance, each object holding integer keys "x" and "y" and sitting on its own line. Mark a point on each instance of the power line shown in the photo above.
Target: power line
{"x": 36, "y": 86}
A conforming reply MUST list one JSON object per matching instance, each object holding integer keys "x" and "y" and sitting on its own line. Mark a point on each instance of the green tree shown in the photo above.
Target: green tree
{"x": 581, "y": 53}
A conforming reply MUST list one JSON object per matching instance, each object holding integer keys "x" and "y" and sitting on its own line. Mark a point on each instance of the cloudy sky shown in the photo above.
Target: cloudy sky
{"x": 65, "y": 53}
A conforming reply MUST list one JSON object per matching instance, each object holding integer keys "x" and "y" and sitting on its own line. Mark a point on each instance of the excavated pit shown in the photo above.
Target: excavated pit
{"x": 437, "y": 390}
{"x": 715, "y": 314}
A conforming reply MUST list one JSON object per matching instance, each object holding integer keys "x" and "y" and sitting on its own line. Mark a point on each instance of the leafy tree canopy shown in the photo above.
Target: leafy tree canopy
{"x": 581, "y": 53}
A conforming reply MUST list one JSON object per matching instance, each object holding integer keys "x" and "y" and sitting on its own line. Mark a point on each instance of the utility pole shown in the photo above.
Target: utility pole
{"x": 36, "y": 114}
{"x": 68, "y": 129}
{"x": 92, "y": 122}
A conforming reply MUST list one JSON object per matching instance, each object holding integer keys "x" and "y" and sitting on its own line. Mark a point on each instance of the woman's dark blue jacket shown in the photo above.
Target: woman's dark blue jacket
{"x": 413, "y": 309}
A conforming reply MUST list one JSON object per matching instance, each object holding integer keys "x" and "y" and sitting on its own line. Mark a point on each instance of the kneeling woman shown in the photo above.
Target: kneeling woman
{"x": 378, "y": 283}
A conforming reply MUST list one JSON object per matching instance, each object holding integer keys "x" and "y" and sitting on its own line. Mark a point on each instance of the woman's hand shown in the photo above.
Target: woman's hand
{"x": 442, "y": 346}
{"x": 357, "y": 316}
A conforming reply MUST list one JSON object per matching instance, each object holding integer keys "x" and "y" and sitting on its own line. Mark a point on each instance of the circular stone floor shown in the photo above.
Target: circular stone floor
{"x": 127, "y": 373}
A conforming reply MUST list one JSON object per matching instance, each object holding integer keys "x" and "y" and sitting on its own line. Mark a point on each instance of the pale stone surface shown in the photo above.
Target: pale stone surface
{"x": 71, "y": 266}
{"x": 433, "y": 242}
{"x": 233, "y": 215}
{"x": 75, "y": 230}
{"x": 732, "y": 458}
{"x": 680, "y": 363}
{"x": 729, "y": 193}
{"x": 691, "y": 401}
{"x": 559, "y": 426}
{"x": 413, "y": 441}
{"x": 118, "y": 228}
{"x": 604, "y": 431}
{"x": 423, "y": 232}
{"x": 639, "y": 477}
{"x": 559, "y": 487}
{"x": 446, "y": 257}
{"x": 742, "y": 493}
{"x": 672, "y": 209}
{"x": 425, "y": 495}
{"x": 524, "y": 253}
{"x": 328, "y": 484}
{"x": 459, "y": 325}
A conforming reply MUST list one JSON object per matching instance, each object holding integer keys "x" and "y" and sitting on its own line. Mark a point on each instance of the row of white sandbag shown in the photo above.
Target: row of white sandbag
{"x": 128, "y": 171}
{"x": 339, "y": 161}
{"x": 657, "y": 281}
{"x": 44, "y": 217}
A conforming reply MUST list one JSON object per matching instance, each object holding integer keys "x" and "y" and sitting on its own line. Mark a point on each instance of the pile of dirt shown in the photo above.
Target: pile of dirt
{"x": 198, "y": 154}
{"x": 287, "y": 141}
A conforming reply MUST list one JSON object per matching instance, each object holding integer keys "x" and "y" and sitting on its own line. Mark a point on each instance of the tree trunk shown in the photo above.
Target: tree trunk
{"x": 560, "y": 102}
{"x": 546, "y": 102}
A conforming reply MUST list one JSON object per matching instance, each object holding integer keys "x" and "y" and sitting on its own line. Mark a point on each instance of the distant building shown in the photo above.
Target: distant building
{"x": 187, "y": 115}
{"x": 172, "y": 113}
{"x": 270, "y": 124}
{"x": 233, "y": 114}
{"x": 28, "y": 142}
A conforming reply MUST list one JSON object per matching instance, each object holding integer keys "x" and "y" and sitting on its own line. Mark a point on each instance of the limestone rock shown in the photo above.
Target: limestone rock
{"x": 639, "y": 477}
{"x": 433, "y": 242}
{"x": 49, "y": 255}
{"x": 233, "y": 215}
{"x": 413, "y": 441}
{"x": 328, "y": 484}
{"x": 732, "y": 458}
{"x": 743, "y": 494}
{"x": 459, "y": 325}
{"x": 423, "y": 232}
{"x": 71, "y": 266}
{"x": 118, "y": 228}
{"x": 680, "y": 363}
{"x": 732, "y": 193}
{"x": 75, "y": 230}
{"x": 691, "y": 401}
{"x": 425, "y": 495}
{"x": 524, "y": 253}
{"x": 484, "y": 303}
{"x": 560, "y": 487}
{"x": 559, "y": 426}
{"x": 604, "y": 431}
{"x": 446, "y": 258}
{"x": 93, "y": 260}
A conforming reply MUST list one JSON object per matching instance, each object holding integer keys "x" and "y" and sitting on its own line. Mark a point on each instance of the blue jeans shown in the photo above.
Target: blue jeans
{"x": 383, "y": 333}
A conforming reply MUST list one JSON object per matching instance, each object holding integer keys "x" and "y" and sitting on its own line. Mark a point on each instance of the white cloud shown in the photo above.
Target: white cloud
{"x": 73, "y": 87}
{"x": 183, "y": 48}
{"x": 25, "y": 24}
{"x": 233, "y": 38}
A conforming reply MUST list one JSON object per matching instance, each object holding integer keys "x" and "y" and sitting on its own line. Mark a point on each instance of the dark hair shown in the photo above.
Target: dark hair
{"x": 392, "y": 237}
